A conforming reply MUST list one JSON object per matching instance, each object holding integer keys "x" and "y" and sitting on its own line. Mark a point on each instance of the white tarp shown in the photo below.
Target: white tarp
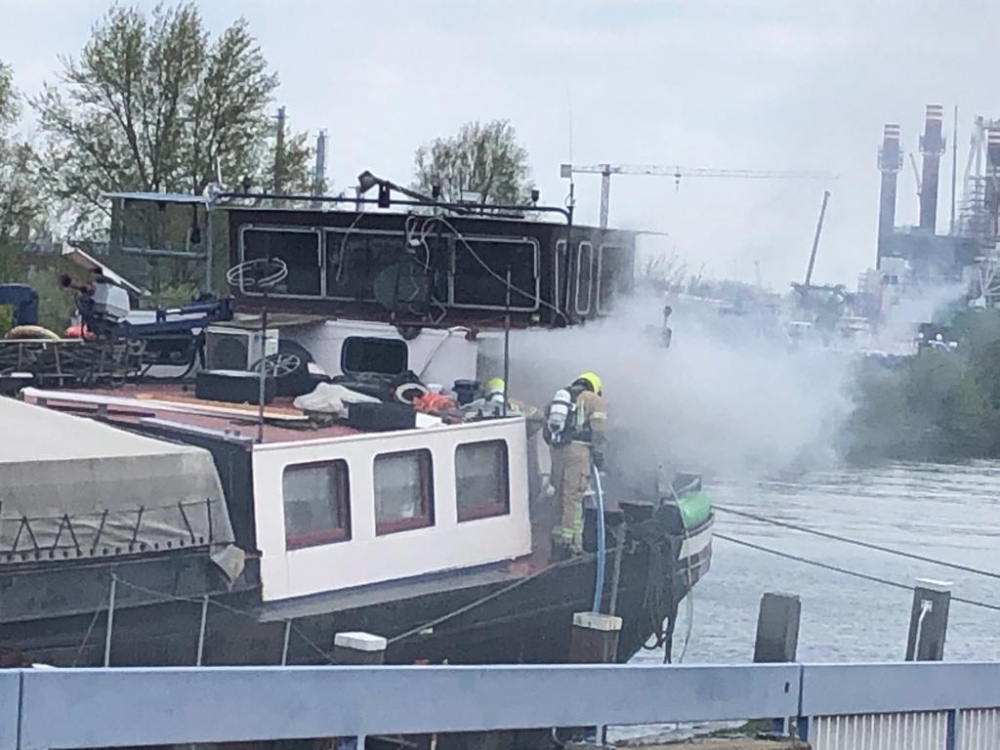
{"x": 79, "y": 488}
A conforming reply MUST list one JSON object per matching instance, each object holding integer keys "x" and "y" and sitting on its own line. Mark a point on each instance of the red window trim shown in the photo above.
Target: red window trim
{"x": 493, "y": 510}
{"x": 425, "y": 518}
{"x": 316, "y": 538}
{"x": 333, "y": 535}
{"x": 487, "y": 510}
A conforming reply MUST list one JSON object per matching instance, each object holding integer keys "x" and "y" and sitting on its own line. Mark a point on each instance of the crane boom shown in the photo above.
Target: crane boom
{"x": 677, "y": 172}
{"x": 680, "y": 171}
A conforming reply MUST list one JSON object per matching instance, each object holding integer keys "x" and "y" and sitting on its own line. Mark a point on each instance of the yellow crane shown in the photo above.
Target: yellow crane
{"x": 606, "y": 170}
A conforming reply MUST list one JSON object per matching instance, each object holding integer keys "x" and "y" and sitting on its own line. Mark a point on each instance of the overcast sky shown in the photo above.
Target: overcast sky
{"x": 758, "y": 84}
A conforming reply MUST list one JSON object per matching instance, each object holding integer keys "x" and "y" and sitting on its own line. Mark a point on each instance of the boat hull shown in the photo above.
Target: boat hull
{"x": 514, "y": 619}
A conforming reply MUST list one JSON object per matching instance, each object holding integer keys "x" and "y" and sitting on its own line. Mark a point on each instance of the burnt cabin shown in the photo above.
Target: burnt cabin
{"x": 434, "y": 270}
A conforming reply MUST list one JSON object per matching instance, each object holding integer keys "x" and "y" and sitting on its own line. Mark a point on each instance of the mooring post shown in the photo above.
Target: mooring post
{"x": 777, "y": 629}
{"x": 359, "y": 648}
{"x": 928, "y": 620}
{"x": 778, "y": 636}
{"x": 594, "y": 640}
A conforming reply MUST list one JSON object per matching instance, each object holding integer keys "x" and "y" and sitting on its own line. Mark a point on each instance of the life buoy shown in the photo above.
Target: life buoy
{"x": 32, "y": 333}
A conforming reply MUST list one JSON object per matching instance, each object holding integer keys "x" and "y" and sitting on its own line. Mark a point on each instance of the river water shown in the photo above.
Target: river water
{"x": 947, "y": 512}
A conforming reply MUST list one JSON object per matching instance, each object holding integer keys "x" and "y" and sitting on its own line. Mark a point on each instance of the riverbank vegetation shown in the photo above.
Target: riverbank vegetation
{"x": 942, "y": 405}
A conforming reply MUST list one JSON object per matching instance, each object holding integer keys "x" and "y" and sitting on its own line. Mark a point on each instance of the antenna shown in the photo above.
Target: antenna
{"x": 260, "y": 275}
{"x": 569, "y": 117}
{"x": 954, "y": 168}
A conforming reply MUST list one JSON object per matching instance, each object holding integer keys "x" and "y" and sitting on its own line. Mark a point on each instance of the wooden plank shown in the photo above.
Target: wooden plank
{"x": 251, "y": 410}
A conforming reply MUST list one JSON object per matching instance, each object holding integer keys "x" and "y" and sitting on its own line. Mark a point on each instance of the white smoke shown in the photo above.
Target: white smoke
{"x": 719, "y": 401}
{"x": 914, "y": 307}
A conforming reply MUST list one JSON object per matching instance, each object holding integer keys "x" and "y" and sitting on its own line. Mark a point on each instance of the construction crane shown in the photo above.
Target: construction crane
{"x": 606, "y": 170}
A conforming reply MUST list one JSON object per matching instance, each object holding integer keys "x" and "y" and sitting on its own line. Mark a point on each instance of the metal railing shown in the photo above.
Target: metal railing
{"x": 937, "y": 706}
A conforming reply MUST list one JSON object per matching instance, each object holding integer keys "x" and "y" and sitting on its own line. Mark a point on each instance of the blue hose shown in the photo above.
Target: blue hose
{"x": 601, "y": 541}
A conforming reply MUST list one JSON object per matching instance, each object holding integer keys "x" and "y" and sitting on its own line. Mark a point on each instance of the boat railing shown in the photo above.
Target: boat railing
{"x": 104, "y": 533}
{"x": 928, "y": 705}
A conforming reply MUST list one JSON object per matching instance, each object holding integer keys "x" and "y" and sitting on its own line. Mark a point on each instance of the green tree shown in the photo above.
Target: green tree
{"x": 22, "y": 208}
{"x": 482, "y": 158}
{"x": 155, "y": 104}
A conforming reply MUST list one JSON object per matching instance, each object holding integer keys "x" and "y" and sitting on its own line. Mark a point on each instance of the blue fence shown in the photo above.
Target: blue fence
{"x": 914, "y": 705}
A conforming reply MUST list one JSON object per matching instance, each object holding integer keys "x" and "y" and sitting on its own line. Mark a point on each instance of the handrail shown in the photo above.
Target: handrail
{"x": 123, "y": 707}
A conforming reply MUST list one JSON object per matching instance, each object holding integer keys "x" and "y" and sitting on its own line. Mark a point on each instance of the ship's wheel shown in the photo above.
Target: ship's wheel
{"x": 279, "y": 365}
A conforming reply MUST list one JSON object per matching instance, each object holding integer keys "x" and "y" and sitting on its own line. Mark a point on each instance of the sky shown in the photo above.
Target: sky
{"x": 743, "y": 84}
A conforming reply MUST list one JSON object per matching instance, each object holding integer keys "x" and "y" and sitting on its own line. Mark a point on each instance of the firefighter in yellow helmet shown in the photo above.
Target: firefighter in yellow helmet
{"x": 493, "y": 393}
{"x": 576, "y": 430}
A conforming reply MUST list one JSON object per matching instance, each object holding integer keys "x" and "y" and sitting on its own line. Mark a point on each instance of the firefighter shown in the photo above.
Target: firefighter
{"x": 577, "y": 433}
{"x": 493, "y": 396}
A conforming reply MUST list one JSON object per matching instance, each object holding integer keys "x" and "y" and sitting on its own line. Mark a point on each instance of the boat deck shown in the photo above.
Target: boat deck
{"x": 176, "y": 403}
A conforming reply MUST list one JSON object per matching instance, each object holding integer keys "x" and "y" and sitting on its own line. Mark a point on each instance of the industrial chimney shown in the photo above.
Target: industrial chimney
{"x": 890, "y": 161}
{"x": 931, "y": 146}
{"x": 992, "y": 174}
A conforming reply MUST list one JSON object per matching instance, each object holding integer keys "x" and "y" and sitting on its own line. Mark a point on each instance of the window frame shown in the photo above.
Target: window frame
{"x": 491, "y": 510}
{"x": 532, "y": 242}
{"x": 425, "y": 519}
{"x": 322, "y": 537}
{"x": 601, "y": 309}
{"x": 320, "y": 257}
{"x": 590, "y": 278}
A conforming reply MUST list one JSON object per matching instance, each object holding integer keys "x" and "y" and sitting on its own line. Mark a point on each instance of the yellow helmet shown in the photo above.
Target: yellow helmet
{"x": 593, "y": 380}
{"x": 494, "y": 386}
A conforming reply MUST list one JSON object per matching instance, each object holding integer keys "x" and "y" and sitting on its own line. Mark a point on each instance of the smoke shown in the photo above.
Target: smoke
{"x": 721, "y": 401}
{"x": 918, "y": 306}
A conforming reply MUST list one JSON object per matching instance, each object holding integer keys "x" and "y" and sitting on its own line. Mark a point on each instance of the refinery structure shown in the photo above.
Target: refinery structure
{"x": 967, "y": 248}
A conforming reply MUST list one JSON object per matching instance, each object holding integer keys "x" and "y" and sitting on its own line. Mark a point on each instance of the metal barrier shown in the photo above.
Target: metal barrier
{"x": 937, "y": 706}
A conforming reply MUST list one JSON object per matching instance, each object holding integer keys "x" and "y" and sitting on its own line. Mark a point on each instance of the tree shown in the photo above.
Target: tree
{"x": 154, "y": 104}
{"x": 21, "y": 202}
{"x": 484, "y": 159}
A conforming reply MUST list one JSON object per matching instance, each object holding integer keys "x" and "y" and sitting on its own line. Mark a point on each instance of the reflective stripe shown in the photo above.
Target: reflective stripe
{"x": 599, "y": 415}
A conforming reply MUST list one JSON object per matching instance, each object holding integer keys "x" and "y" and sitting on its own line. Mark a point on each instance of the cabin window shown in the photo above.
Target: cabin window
{"x": 480, "y": 273}
{"x": 482, "y": 483}
{"x": 300, "y": 250}
{"x": 404, "y": 491}
{"x": 584, "y": 277}
{"x": 606, "y": 267}
{"x": 317, "y": 504}
{"x": 355, "y": 258}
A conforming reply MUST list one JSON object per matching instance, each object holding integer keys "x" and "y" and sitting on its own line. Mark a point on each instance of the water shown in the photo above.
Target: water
{"x": 948, "y": 512}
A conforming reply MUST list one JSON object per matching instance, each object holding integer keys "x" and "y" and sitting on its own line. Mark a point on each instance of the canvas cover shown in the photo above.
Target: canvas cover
{"x": 71, "y": 487}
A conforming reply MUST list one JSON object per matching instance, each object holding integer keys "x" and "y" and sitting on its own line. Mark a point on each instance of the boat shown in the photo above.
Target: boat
{"x": 212, "y": 519}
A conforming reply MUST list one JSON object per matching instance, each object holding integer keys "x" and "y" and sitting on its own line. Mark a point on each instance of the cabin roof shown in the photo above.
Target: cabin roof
{"x": 173, "y": 406}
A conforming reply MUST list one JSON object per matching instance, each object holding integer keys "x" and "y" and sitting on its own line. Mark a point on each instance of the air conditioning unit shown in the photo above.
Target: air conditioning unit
{"x": 237, "y": 348}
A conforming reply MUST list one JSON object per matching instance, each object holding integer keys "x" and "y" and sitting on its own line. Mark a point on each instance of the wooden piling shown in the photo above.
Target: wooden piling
{"x": 594, "y": 639}
{"x": 777, "y": 637}
{"x": 777, "y": 629}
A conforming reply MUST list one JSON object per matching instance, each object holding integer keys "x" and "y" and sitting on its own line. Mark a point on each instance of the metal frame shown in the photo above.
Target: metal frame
{"x": 590, "y": 279}
{"x": 470, "y": 238}
{"x": 41, "y": 709}
{"x": 347, "y": 232}
{"x": 601, "y": 310}
{"x": 321, "y": 257}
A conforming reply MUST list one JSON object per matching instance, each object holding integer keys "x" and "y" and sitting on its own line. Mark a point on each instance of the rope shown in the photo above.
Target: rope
{"x": 845, "y": 571}
{"x": 490, "y": 597}
{"x": 164, "y": 596}
{"x": 858, "y": 542}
